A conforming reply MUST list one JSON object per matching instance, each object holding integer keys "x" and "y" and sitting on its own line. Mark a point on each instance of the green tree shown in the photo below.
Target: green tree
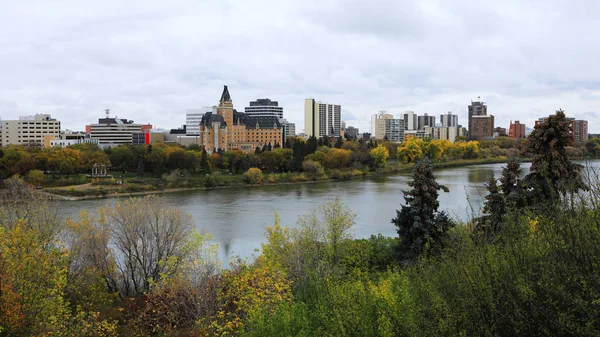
{"x": 421, "y": 229}
{"x": 298, "y": 148}
{"x": 140, "y": 167}
{"x": 194, "y": 147}
{"x": 233, "y": 160}
{"x": 122, "y": 158}
{"x": 66, "y": 161}
{"x": 36, "y": 177}
{"x": 339, "y": 142}
{"x": 552, "y": 173}
{"x": 204, "y": 165}
{"x": 494, "y": 208}
{"x": 511, "y": 183}
{"x": 311, "y": 145}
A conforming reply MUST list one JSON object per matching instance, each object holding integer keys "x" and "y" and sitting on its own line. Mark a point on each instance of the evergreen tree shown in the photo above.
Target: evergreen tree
{"x": 269, "y": 148}
{"x": 298, "y": 155}
{"x": 140, "y": 167}
{"x": 510, "y": 183}
{"x": 204, "y": 166}
{"x": 494, "y": 209}
{"x": 311, "y": 145}
{"x": 372, "y": 144}
{"x": 264, "y": 148}
{"x": 552, "y": 173}
{"x": 257, "y": 150}
{"x": 276, "y": 146}
{"x": 339, "y": 142}
{"x": 326, "y": 141}
{"x": 320, "y": 142}
{"x": 421, "y": 229}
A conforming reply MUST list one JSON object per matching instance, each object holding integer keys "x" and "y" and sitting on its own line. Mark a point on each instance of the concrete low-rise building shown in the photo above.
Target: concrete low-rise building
{"x": 68, "y": 138}
{"x": 29, "y": 130}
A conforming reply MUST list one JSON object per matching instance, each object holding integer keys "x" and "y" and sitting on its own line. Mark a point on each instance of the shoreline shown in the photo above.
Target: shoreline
{"x": 439, "y": 165}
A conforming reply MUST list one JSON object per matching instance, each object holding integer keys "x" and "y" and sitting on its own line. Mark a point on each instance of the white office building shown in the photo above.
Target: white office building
{"x": 193, "y": 117}
{"x": 114, "y": 131}
{"x": 264, "y": 107}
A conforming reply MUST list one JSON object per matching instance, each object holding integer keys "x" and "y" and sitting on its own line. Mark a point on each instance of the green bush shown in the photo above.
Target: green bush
{"x": 209, "y": 181}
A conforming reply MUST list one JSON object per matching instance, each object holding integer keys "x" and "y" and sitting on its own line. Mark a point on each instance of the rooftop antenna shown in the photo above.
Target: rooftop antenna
{"x": 107, "y": 112}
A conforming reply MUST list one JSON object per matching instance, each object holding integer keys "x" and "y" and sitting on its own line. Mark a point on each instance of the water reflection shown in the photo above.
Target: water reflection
{"x": 481, "y": 174}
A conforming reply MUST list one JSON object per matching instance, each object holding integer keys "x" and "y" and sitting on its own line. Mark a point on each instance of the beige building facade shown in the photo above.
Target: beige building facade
{"x": 29, "y": 130}
{"x": 322, "y": 119}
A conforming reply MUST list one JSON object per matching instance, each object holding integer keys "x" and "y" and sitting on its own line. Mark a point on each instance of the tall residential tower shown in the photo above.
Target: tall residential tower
{"x": 480, "y": 124}
{"x": 322, "y": 119}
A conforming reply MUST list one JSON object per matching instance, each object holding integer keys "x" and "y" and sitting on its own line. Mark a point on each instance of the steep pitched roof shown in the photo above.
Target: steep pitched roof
{"x": 225, "y": 97}
{"x": 210, "y": 118}
{"x": 264, "y": 122}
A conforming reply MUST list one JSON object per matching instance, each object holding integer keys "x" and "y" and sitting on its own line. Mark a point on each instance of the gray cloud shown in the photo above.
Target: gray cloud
{"x": 151, "y": 60}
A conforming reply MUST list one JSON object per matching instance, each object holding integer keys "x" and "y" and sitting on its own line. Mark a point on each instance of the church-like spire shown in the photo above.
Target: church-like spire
{"x": 225, "y": 96}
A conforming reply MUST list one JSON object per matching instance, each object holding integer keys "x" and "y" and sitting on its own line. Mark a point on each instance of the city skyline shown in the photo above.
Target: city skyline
{"x": 151, "y": 64}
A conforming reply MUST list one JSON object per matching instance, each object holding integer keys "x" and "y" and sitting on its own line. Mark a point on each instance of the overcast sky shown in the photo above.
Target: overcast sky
{"x": 151, "y": 60}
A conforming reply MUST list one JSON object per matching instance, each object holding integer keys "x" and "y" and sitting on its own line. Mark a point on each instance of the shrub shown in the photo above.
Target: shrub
{"x": 357, "y": 173}
{"x": 253, "y": 176}
{"x": 209, "y": 181}
{"x": 298, "y": 178}
{"x": 313, "y": 167}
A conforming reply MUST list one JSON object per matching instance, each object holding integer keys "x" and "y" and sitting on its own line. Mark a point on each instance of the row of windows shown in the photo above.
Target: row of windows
{"x": 39, "y": 123}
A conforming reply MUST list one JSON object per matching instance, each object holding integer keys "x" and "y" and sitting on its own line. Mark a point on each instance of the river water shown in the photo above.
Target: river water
{"x": 237, "y": 217}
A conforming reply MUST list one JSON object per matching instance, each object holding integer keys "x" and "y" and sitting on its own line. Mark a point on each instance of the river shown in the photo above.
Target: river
{"x": 237, "y": 217}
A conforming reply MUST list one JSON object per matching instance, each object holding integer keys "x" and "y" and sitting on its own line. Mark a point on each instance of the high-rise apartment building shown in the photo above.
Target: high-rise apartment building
{"x": 449, "y": 120}
{"x": 410, "y": 120}
{"x": 322, "y": 119}
{"x": 516, "y": 130}
{"x": 425, "y": 120}
{"x": 481, "y": 127}
{"x": 193, "y": 118}
{"x": 29, "y": 130}
{"x": 480, "y": 124}
{"x": 580, "y": 130}
{"x": 378, "y": 125}
{"x": 394, "y": 129}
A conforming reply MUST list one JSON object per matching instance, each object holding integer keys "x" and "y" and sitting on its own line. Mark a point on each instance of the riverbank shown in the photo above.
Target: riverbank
{"x": 219, "y": 180}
